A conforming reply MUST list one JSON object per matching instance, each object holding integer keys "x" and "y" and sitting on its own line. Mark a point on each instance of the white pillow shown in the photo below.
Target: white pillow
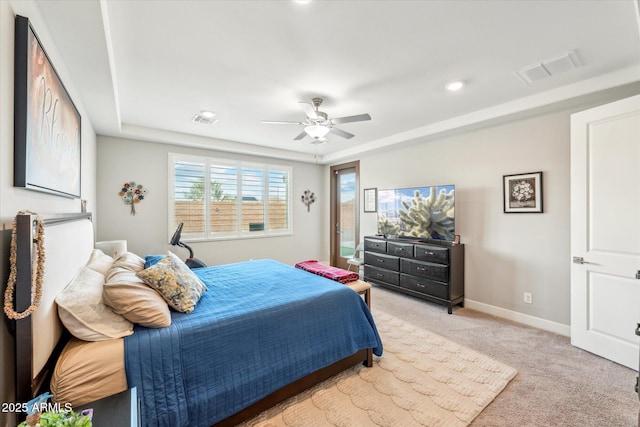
{"x": 100, "y": 262}
{"x": 83, "y": 313}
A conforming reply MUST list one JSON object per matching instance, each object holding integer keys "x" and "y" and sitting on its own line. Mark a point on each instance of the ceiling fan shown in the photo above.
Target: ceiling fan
{"x": 318, "y": 124}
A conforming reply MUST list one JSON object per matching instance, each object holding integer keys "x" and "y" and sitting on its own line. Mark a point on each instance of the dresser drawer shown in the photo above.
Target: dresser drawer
{"x": 383, "y": 261}
{"x": 400, "y": 249}
{"x": 424, "y": 269}
{"x": 375, "y": 245}
{"x": 386, "y": 276}
{"x": 425, "y": 286}
{"x": 432, "y": 254}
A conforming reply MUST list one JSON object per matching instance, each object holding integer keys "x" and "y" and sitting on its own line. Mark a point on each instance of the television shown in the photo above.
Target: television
{"x": 417, "y": 212}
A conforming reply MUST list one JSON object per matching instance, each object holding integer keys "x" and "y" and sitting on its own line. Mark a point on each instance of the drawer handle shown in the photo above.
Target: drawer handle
{"x": 421, "y": 285}
{"x": 421, "y": 269}
{"x": 430, "y": 253}
{"x": 379, "y": 274}
{"x": 380, "y": 260}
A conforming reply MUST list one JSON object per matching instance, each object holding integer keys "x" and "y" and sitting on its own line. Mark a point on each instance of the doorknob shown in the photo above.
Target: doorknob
{"x": 638, "y": 276}
{"x": 580, "y": 260}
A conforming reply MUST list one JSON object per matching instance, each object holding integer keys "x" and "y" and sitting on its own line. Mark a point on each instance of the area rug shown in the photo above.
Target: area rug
{"x": 422, "y": 379}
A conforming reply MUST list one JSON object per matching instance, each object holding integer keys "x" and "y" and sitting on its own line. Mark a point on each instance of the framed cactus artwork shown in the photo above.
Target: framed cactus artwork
{"x": 522, "y": 193}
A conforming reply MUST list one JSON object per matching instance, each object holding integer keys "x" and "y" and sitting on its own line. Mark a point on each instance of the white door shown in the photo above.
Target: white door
{"x": 605, "y": 230}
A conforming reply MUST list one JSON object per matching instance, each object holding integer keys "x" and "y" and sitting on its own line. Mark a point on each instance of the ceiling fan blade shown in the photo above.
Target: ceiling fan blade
{"x": 350, "y": 119}
{"x": 308, "y": 109}
{"x": 341, "y": 133}
{"x": 277, "y": 122}
{"x": 299, "y": 137}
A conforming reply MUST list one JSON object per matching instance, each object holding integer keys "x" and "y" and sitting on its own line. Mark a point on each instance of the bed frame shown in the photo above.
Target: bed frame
{"x": 39, "y": 338}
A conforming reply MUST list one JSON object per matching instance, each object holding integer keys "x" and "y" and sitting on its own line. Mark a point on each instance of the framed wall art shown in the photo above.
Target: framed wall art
{"x": 522, "y": 193}
{"x": 370, "y": 199}
{"x": 47, "y": 125}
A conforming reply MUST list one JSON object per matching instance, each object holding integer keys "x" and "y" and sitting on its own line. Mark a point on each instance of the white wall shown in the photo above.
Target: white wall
{"x": 122, "y": 160}
{"x": 505, "y": 254}
{"x": 13, "y": 199}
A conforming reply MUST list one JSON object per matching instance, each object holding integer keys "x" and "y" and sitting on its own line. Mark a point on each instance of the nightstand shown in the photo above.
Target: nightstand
{"x": 122, "y": 409}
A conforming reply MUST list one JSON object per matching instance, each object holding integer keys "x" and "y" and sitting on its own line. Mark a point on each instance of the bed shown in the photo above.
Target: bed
{"x": 261, "y": 332}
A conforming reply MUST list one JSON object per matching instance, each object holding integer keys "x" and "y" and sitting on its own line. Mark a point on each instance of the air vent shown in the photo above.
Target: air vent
{"x": 205, "y": 117}
{"x": 549, "y": 67}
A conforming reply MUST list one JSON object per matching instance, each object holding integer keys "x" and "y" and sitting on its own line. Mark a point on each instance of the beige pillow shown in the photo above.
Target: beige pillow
{"x": 99, "y": 262}
{"x": 82, "y": 311}
{"x": 175, "y": 281}
{"x": 129, "y": 261}
{"x": 129, "y": 296}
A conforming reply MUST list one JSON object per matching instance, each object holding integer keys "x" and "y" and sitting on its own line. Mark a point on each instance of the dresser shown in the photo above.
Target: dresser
{"x": 429, "y": 269}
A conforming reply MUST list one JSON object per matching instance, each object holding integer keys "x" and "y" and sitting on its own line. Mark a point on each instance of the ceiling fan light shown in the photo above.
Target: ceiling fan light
{"x": 316, "y": 131}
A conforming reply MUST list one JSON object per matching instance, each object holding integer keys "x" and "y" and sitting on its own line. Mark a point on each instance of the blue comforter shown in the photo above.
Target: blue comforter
{"x": 261, "y": 325}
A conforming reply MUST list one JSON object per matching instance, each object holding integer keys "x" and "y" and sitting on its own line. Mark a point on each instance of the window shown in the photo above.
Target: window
{"x": 217, "y": 198}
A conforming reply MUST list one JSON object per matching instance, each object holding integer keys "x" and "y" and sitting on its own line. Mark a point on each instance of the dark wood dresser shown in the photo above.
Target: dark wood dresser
{"x": 428, "y": 269}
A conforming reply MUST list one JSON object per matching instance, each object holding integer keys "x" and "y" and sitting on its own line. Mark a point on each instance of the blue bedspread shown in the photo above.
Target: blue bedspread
{"x": 261, "y": 325}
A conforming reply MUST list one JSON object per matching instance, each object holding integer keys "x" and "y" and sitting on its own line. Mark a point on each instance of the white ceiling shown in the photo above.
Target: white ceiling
{"x": 143, "y": 68}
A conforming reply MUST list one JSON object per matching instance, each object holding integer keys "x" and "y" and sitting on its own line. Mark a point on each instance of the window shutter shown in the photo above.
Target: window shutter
{"x": 253, "y": 199}
{"x": 224, "y": 199}
{"x": 189, "y": 196}
{"x": 278, "y": 200}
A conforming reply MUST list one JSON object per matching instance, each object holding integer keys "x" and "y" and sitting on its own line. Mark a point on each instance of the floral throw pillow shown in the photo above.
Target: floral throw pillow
{"x": 175, "y": 282}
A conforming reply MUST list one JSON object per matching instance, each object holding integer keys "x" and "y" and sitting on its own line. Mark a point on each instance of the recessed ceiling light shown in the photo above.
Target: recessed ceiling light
{"x": 302, "y": 1}
{"x": 205, "y": 117}
{"x": 455, "y": 85}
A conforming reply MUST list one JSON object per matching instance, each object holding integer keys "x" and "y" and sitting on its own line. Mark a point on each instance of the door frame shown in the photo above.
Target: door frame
{"x": 333, "y": 206}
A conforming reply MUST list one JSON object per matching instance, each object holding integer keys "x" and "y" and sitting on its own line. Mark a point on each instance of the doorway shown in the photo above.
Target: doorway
{"x": 344, "y": 217}
{"x": 605, "y": 231}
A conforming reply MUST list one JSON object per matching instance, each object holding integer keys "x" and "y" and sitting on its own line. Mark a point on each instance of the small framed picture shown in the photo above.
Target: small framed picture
{"x": 522, "y": 193}
{"x": 370, "y": 199}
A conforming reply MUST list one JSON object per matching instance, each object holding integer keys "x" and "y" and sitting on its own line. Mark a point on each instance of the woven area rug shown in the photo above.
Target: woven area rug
{"x": 422, "y": 379}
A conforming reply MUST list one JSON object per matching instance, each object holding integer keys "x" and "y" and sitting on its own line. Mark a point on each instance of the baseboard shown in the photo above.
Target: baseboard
{"x": 526, "y": 319}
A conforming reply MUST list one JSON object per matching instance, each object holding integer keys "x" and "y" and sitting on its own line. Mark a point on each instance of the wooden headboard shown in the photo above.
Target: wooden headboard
{"x": 68, "y": 243}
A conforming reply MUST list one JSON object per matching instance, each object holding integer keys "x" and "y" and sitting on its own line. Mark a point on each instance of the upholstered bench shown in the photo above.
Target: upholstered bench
{"x": 363, "y": 288}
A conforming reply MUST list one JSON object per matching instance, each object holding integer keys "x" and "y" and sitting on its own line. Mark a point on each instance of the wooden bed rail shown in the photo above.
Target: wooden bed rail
{"x": 296, "y": 387}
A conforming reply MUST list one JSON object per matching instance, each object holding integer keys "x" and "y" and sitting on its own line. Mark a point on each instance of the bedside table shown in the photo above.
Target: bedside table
{"x": 122, "y": 409}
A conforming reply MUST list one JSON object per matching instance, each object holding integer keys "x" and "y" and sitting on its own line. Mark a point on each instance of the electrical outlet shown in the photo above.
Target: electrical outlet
{"x": 528, "y": 298}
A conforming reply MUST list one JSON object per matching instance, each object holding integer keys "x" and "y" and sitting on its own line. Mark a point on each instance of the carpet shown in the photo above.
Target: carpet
{"x": 422, "y": 379}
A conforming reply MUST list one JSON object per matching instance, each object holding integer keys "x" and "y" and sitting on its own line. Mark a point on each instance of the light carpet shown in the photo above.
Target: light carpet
{"x": 422, "y": 379}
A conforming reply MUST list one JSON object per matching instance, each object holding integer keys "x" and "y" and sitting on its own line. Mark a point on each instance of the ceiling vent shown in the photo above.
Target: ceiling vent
{"x": 549, "y": 67}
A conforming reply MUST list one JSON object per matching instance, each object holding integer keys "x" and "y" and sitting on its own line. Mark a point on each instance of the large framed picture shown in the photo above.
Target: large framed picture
{"x": 47, "y": 125}
{"x": 522, "y": 193}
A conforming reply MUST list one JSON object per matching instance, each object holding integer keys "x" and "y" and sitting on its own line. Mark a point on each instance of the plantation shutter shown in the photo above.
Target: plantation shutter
{"x": 217, "y": 198}
{"x": 189, "y": 193}
{"x": 224, "y": 199}
{"x": 253, "y": 199}
{"x": 278, "y": 200}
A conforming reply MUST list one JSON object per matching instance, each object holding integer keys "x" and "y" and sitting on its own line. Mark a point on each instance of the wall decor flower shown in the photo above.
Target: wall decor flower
{"x": 131, "y": 194}
{"x": 308, "y": 198}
